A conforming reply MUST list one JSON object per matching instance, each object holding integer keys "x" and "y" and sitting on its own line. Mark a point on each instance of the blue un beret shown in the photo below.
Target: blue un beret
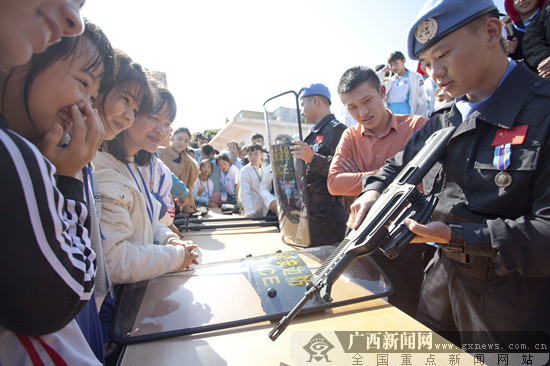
{"x": 315, "y": 89}
{"x": 439, "y": 18}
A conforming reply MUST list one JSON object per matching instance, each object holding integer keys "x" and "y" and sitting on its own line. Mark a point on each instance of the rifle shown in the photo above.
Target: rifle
{"x": 383, "y": 225}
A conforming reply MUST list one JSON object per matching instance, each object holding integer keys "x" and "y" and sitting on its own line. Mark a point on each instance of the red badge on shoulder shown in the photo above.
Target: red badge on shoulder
{"x": 318, "y": 139}
{"x": 514, "y": 136}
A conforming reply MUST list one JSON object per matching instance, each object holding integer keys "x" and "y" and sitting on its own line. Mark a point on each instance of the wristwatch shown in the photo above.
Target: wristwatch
{"x": 456, "y": 243}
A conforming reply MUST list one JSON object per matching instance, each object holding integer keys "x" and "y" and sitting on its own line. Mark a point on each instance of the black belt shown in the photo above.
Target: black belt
{"x": 479, "y": 266}
{"x": 313, "y": 198}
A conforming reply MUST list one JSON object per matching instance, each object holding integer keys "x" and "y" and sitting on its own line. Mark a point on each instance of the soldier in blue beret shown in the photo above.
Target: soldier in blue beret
{"x": 327, "y": 215}
{"x": 492, "y": 223}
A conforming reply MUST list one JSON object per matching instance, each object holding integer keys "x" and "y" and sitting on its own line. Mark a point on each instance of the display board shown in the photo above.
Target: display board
{"x": 234, "y": 293}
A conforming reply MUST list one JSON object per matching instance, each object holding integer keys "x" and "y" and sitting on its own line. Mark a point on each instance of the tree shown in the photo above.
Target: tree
{"x": 209, "y": 134}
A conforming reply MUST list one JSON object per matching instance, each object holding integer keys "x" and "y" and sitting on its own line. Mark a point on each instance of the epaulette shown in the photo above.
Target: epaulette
{"x": 541, "y": 87}
{"x": 335, "y": 123}
{"x": 442, "y": 108}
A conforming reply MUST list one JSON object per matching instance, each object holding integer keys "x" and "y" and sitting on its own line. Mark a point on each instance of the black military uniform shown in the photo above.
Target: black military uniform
{"x": 494, "y": 276}
{"x": 326, "y": 212}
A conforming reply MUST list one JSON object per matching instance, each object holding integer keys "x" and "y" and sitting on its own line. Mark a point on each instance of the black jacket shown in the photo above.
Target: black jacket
{"x": 323, "y": 139}
{"x": 327, "y": 215}
{"x": 46, "y": 262}
{"x": 510, "y": 225}
{"x": 536, "y": 41}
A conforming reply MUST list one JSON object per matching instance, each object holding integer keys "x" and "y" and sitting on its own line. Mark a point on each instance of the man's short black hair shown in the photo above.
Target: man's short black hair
{"x": 253, "y": 147}
{"x": 474, "y": 25}
{"x": 257, "y": 136}
{"x": 356, "y": 76}
{"x": 207, "y": 150}
{"x": 396, "y": 56}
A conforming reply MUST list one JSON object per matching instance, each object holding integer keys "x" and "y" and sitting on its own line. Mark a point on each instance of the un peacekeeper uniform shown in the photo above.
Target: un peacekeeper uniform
{"x": 499, "y": 279}
{"x": 494, "y": 275}
{"x": 327, "y": 215}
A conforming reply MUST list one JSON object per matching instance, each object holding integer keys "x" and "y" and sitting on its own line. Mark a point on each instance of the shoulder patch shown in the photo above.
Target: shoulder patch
{"x": 442, "y": 108}
{"x": 541, "y": 87}
{"x": 337, "y": 124}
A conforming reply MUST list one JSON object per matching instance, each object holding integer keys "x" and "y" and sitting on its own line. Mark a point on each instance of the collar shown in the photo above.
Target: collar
{"x": 466, "y": 108}
{"x": 322, "y": 123}
{"x": 393, "y": 125}
{"x": 402, "y": 76}
{"x": 522, "y": 25}
{"x": 174, "y": 151}
{"x": 512, "y": 93}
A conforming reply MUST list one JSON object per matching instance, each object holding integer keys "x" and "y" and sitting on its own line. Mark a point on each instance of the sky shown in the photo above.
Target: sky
{"x": 222, "y": 56}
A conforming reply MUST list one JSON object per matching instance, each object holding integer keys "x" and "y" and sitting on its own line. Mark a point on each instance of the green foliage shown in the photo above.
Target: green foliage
{"x": 211, "y": 133}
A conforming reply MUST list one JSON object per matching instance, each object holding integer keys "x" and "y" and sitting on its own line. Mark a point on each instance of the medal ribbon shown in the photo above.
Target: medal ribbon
{"x": 501, "y": 159}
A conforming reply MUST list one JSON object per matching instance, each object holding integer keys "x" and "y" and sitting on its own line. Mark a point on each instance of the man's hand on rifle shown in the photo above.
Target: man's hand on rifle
{"x": 359, "y": 208}
{"x": 432, "y": 232}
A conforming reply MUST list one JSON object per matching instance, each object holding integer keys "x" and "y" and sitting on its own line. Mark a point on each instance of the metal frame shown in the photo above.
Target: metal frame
{"x": 297, "y": 113}
{"x": 299, "y": 161}
{"x": 227, "y": 226}
{"x": 183, "y": 224}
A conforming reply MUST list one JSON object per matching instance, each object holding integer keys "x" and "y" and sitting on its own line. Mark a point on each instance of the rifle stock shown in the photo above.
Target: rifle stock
{"x": 382, "y": 227}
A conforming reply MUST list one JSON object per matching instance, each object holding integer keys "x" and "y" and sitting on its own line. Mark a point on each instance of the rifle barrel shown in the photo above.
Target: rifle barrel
{"x": 285, "y": 321}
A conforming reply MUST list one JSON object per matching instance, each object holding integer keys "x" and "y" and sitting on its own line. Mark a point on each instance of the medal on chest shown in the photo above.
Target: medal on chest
{"x": 503, "y": 141}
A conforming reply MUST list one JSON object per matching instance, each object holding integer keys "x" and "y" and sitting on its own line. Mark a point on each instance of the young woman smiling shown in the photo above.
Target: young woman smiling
{"x": 44, "y": 101}
{"x": 129, "y": 214}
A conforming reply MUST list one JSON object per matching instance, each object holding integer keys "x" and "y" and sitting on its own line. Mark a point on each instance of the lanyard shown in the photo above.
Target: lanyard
{"x": 150, "y": 205}
{"x": 151, "y": 182}
{"x": 257, "y": 173}
{"x": 88, "y": 178}
{"x": 205, "y": 189}
{"x": 223, "y": 180}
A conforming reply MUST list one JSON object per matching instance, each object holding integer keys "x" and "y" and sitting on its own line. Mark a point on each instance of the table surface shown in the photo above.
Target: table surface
{"x": 250, "y": 345}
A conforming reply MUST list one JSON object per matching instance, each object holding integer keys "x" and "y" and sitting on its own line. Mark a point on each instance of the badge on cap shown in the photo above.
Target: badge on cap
{"x": 426, "y": 30}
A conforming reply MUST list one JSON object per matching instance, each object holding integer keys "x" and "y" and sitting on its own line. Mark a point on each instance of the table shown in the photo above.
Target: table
{"x": 250, "y": 345}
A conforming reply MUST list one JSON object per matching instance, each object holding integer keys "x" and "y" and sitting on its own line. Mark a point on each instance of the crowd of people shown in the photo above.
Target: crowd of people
{"x": 94, "y": 174}
{"x": 212, "y": 178}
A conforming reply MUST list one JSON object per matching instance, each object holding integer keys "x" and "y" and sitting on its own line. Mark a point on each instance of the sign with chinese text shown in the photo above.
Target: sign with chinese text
{"x": 280, "y": 280}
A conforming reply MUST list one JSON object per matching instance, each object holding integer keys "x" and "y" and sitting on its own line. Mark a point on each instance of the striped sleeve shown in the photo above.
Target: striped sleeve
{"x": 46, "y": 262}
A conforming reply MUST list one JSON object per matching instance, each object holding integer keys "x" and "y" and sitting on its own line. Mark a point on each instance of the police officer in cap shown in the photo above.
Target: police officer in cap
{"x": 492, "y": 223}
{"x": 326, "y": 212}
